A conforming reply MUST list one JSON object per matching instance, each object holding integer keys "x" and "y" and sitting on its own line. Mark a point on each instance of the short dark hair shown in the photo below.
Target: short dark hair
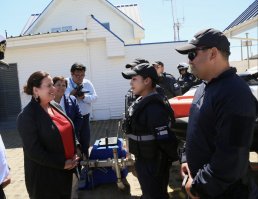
{"x": 34, "y": 80}
{"x": 78, "y": 66}
{"x": 158, "y": 63}
{"x": 60, "y": 78}
{"x": 225, "y": 54}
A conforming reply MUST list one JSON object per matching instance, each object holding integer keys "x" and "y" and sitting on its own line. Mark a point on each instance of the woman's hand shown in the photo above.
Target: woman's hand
{"x": 72, "y": 163}
{"x": 79, "y": 152}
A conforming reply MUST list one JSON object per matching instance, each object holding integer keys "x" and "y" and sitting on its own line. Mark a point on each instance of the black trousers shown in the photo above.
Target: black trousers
{"x": 84, "y": 137}
{"x": 153, "y": 177}
{"x": 2, "y": 195}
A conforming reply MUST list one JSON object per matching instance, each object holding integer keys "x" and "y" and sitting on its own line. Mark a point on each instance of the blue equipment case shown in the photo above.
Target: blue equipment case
{"x": 103, "y": 175}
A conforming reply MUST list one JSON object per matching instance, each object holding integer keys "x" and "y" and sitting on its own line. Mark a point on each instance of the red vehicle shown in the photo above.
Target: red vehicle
{"x": 181, "y": 105}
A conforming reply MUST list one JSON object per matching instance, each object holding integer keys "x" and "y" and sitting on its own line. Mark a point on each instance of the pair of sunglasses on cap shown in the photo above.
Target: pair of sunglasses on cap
{"x": 193, "y": 53}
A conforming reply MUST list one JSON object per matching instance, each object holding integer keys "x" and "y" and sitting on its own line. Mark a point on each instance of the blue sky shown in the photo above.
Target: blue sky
{"x": 156, "y": 15}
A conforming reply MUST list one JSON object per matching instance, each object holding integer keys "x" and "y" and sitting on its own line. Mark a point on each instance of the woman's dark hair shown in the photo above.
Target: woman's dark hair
{"x": 34, "y": 80}
{"x": 60, "y": 78}
{"x": 153, "y": 82}
{"x": 78, "y": 66}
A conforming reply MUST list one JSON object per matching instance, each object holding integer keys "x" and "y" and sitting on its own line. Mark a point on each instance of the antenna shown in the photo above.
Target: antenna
{"x": 176, "y": 23}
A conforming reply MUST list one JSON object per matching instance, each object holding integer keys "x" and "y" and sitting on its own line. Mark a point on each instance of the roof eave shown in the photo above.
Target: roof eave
{"x": 240, "y": 28}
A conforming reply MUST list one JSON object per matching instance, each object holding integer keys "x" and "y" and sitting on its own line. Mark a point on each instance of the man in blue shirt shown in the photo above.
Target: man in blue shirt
{"x": 221, "y": 123}
{"x": 85, "y": 94}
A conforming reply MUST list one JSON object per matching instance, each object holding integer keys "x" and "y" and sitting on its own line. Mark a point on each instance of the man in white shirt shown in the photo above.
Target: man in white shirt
{"x": 4, "y": 170}
{"x": 85, "y": 93}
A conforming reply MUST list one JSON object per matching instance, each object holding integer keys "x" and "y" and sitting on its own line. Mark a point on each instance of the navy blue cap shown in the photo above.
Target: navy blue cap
{"x": 144, "y": 69}
{"x": 206, "y": 38}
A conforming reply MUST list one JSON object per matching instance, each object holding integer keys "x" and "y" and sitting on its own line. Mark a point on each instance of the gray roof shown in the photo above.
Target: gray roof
{"x": 250, "y": 12}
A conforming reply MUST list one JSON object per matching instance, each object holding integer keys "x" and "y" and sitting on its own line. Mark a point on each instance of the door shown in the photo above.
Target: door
{"x": 10, "y": 101}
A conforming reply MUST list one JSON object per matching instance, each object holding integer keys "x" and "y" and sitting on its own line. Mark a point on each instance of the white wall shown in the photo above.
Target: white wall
{"x": 104, "y": 71}
{"x": 243, "y": 65}
{"x": 111, "y": 87}
{"x": 164, "y": 52}
{"x": 54, "y": 59}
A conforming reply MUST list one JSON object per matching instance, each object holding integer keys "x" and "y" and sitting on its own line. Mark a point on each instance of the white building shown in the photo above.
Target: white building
{"x": 94, "y": 32}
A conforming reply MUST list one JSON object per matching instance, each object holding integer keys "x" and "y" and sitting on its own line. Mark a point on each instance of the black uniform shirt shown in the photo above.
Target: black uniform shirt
{"x": 220, "y": 132}
{"x": 186, "y": 81}
{"x": 170, "y": 85}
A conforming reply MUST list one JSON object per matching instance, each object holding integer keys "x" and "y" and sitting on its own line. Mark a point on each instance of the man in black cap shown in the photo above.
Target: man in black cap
{"x": 167, "y": 81}
{"x": 221, "y": 123}
{"x": 149, "y": 132}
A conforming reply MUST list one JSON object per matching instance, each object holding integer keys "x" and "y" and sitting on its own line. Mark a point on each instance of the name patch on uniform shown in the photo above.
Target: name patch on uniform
{"x": 176, "y": 85}
{"x": 161, "y": 132}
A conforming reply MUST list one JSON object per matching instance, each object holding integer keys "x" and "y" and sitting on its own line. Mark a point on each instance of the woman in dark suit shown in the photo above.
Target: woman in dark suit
{"x": 68, "y": 103}
{"x": 49, "y": 142}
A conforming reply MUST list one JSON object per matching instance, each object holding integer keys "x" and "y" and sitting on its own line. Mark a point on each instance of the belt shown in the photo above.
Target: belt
{"x": 141, "y": 137}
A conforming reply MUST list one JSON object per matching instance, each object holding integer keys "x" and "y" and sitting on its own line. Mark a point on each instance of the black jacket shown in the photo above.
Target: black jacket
{"x": 150, "y": 128}
{"x": 44, "y": 155}
{"x": 170, "y": 85}
{"x": 219, "y": 136}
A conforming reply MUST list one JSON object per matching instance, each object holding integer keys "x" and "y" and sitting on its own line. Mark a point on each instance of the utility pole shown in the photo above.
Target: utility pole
{"x": 241, "y": 50}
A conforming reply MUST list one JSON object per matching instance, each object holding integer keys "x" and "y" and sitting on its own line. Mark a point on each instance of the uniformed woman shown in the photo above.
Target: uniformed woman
{"x": 148, "y": 130}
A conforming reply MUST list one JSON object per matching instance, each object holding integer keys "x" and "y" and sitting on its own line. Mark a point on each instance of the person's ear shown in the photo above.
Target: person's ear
{"x": 35, "y": 91}
{"x": 214, "y": 53}
{"x": 147, "y": 80}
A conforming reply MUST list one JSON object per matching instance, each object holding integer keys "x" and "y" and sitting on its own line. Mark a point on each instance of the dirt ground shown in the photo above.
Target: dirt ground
{"x": 17, "y": 189}
{"x": 133, "y": 190}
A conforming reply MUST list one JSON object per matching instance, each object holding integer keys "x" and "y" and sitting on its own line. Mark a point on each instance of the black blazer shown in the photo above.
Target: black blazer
{"x": 44, "y": 155}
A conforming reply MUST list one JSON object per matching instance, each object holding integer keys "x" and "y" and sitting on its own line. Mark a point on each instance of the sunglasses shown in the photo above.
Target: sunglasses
{"x": 192, "y": 54}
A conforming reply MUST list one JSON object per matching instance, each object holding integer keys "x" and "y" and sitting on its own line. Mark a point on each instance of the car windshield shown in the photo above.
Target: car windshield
{"x": 250, "y": 79}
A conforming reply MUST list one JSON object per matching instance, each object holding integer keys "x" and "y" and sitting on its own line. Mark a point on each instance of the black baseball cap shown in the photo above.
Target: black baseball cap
{"x": 136, "y": 62}
{"x": 144, "y": 69}
{"x": 206, "y": 38}
{"x": 158, "y": 63}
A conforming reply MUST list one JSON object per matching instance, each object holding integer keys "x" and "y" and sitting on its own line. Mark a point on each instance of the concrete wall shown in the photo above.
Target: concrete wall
{"x": 243, "y": 65}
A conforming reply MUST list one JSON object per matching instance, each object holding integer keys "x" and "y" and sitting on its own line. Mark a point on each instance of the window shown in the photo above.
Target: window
{"x": 61, "y": 29}
{"x": 66, "y": 28}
